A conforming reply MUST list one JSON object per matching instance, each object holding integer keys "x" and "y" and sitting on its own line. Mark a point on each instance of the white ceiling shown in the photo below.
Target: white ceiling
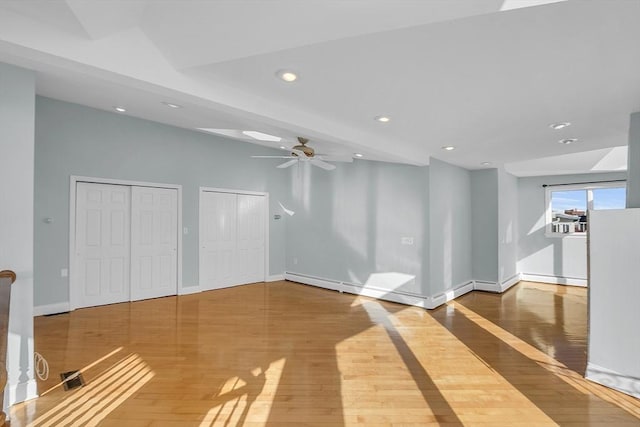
{"x": 486, "y": 76}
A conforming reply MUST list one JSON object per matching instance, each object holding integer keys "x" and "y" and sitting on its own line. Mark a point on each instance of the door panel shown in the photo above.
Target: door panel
{"x": 117, "y": 275}
{"x": 102, "y": 244}
{"x": 154, "y": 242}
{"x": 251, "y": 238}
{"x": 218, "y": 242}
{"x": 232, "y": 240}
{"x": 92, "y": 277}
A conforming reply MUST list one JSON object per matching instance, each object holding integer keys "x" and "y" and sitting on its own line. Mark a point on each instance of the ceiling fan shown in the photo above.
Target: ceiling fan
{"x": 301, "y": 153}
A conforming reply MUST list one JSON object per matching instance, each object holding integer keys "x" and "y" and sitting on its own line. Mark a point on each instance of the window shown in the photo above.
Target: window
{"x": 567, "y": 205}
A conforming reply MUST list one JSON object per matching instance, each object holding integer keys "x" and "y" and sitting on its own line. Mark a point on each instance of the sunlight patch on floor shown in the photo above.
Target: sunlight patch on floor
{"x": 89, "y": 405}
{"x": 237, "y": 395}
{"x": 84, "y": 369}
{"x": 438, "y": 393}
{"x": 547, "y": 362}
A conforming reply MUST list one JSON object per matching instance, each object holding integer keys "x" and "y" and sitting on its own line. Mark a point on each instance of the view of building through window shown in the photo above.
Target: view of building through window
{"x": 569, "y": 207}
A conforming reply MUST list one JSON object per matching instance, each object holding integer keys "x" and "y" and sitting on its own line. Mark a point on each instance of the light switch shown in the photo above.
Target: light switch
{"x": 64, "y": 272}
{"x": 407, "y": 240}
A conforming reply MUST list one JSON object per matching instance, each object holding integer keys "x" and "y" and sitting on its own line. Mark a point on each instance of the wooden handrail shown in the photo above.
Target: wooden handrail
{"x": 7, "y": 277}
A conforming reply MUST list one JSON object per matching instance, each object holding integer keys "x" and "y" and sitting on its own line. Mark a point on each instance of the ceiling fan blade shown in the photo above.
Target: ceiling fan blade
{"x": 287, "y": 164}
{"x": 321, "y": 164}
{"x": 272, "y": 157}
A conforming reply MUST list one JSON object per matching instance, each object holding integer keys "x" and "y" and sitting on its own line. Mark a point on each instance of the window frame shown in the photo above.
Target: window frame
{"x": 588, "y": 188}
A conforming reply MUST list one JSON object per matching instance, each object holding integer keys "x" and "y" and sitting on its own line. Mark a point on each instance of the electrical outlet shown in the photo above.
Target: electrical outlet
{"x": 406, "y": 240}
{"x": 185, "y": 230}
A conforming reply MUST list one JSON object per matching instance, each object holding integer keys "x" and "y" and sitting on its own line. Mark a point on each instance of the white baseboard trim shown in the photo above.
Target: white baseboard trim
{"x": 483, "y": 285}
{"x": 64, "y": 307}
{"x": 43, "y": 310}
{"x": 556, "y": 280}
{"x": 612, "y": 379}
{"x": 275, "y": 278}
{"x": 459, "y": 290}
{"x": 407, "y": 298}
{"x": 188, "y": 290}
{"x": 513, "y": 280}
{"x": 415, "y": 300}
{"x": 486, "y": 286}
{"x": 314, "y": 281}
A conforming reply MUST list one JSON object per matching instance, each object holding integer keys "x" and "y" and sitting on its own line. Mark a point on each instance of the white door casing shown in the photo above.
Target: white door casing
{"x": 102, "y": 244}
{"x": 76, "y": 270}
{"x": 154, "y": 242}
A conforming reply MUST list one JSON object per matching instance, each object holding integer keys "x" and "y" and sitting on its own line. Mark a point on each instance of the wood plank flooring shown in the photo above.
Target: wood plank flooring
{"x": 285, "y": 354}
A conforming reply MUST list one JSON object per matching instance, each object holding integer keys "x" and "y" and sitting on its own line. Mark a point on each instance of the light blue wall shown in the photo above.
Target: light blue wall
{"x": 507, "y": 225}
{"x": 17, "y": 95}
{"x": 550, "y": 256}
{"x": 494, "y": 198}
{"x": 484, "y": 224}
{"x": 76, "y": 140}
{"x": 633, "y": 163}
{"x": 349, "y": 222}
{"x": 450, "y": 226}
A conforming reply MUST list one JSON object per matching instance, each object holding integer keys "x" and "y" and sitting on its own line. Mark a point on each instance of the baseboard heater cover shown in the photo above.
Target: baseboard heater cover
{"x": 496, "y": 287}
{"x": 555, "y": 280}
{"x": 407, "y": 298}
{"x": 612, "y": 379}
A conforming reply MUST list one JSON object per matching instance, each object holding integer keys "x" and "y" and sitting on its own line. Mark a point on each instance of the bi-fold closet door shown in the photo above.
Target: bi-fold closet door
{"x": 232, "y": 239}
{"x": 125, "y": 243}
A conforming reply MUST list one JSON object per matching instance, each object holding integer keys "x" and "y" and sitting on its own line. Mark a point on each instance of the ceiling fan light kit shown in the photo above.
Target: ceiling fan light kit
{"x": 301, "y": 153}
{"x": 302, "y": 147}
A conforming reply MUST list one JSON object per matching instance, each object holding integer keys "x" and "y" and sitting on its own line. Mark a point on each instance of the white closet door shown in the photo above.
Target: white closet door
{"x": 102, "y": 244}
{"x": 154, "y": 242}
{"x": 218, "y": 213}
{"x": 251, "y": 238}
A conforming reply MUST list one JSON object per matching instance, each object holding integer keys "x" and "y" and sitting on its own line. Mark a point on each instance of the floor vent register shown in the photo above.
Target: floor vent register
{"x": 71, "y": 380}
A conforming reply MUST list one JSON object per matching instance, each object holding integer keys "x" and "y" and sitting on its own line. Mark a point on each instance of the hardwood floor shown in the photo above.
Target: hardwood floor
{"x": 284, "y": 354}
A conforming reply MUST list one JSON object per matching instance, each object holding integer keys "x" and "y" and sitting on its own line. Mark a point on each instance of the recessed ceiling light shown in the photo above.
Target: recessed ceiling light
{"x": 558, "y": 126}
{"x": 120, "y": 109}
{"x": 287, "y": 76}
{"x": 568, "y": 141}
{"x": 171, "y": 105}
{"x": 486, "y": 163}
{"x": 261, "y": 136}
{"x": 448, "y": 147}
{"x": 382, "y": 119}
{"x": 358, "y": 154}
